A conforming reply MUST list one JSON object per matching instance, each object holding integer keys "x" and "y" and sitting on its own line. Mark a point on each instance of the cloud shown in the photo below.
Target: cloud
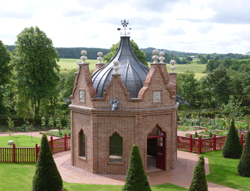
{"x": 20, "y": 10}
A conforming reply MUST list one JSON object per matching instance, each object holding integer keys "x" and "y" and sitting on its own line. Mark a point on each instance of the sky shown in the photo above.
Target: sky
{"x": 200, "y": 26}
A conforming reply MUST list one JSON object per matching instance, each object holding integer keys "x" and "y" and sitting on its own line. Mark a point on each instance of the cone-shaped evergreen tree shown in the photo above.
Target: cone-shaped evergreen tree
{"x": 232, "y": 147}
{"x": 199, "y": 182}
{"x": 244, "y": 164}
{"x": 136, "y": 179}
{"x": 47, "y": 176}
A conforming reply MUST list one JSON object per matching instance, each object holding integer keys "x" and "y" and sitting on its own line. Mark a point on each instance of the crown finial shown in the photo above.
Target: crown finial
{"x": 99, "y": 54}
{"x": 172, "y": 62}
{"x": 84, "y": 57}
{"x": 162, "y": 58}
{"x": 116, "y": 68}
{"x": 155, "y": 57}
{"x": 124, "y": 23}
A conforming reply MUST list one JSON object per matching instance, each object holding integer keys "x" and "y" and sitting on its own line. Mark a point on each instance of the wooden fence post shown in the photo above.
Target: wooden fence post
{"x": 65, "y": 141}
{"x": 241, "y": 139}
{"x": 51, "y": 143}
{"x": 37, "y": 151}
{"x": 214, "y": 142}
{"x": 199, "y": 145}
{"x": 14, "y": 153}
{"x": 190, "y": 143}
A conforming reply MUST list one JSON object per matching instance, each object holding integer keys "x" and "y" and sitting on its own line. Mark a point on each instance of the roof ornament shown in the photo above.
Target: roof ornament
{"x": 172, "y": 62}
{"x": 84, "y": 57}
{"x": 162, "y": 58}
{"x": 124, "y": 24}
{"x": 99, "y": 54}
{"x": 115, "y": 67}
{"x": 155, "y": 57}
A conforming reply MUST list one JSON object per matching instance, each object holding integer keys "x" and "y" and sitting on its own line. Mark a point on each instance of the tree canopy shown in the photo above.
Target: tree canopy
{"x": 36, "y": 66}
{"x": 139, "y": 54}
{"x": 5, "y": 72}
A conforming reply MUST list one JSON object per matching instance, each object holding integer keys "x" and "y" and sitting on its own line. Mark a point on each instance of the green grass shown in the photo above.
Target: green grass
{"x": 20, "y": 141}
{"x": 18, "y": 176}
{"x": 70, "y": 64}
{"x": 224, "y": 171}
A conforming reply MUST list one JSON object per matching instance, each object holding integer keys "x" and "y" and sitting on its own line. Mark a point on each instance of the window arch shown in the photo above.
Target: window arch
{"x": 82, "y": 144}
{"x": 115, "y": 148}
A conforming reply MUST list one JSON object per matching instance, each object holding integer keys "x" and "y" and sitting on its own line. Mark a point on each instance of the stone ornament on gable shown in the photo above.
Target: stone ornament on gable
{"x": 172, "y": 62}
{"x": 99, "y": 54}
{"x": 84, "y": 57}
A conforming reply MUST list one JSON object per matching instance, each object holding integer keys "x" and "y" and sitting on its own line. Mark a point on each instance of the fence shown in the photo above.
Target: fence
{"x": 199, "y": 145}
{"x": 30, "y": 155}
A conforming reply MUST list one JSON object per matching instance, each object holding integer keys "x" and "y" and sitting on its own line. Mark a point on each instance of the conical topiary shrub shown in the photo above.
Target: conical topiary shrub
{"x": 47, "y": 176}
{"x": 136, "y": 179}
{"x": 232, "y": 147}
{"x": 244, "y": 164}
{"x": 199, "y": 182}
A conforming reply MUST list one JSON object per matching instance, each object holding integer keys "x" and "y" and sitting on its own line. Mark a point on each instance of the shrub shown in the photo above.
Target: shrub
{"x": 199, "y": 182}
{"x": 136, "y": 178}
{"x": 244, "y": 164}
{"x": 47, "y": 176}
{"x": 196, "y": 134}
{"x": 210, "y": 134}
{"x": 232, "y": 147}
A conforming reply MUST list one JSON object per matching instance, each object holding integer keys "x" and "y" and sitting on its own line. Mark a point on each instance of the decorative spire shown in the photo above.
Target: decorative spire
{"x": 83, "y": 57}
{"x": 124, "y": 24}
{"x": 99, "y": 54}
{"x": 116, "y": 68}
{"x": 172, "y": 62}
{"x": 162, "y": 58}
{"x": 155, "y": 57}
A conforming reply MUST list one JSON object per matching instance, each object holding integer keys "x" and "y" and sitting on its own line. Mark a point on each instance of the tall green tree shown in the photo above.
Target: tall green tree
{"x": 136, "y": 178}
{"x": 187, "y": 86}
{"x": 47, "y": 176}
{"x": 5, "y": 73}
{"x": 218, "y": 82}
{"x": 36, "y": 67}
{"x": 139, "y": 54}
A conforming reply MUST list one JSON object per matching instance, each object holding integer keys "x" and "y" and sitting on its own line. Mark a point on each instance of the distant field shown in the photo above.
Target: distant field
{"x": 70, "y": 64}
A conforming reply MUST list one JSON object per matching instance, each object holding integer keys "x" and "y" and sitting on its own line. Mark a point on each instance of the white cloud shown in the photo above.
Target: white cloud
{"x": 188, "y": 25}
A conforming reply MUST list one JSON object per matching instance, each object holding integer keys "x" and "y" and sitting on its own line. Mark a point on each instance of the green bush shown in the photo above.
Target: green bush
{"x": 136, "y": 179}
{"x": 232, "y": 147}
{"x": 199, "y": 182}
{"x": 47, "y": 176}
{"x": 244, "y": 164}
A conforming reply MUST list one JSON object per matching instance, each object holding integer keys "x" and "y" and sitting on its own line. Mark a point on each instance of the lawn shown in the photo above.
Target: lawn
{"x": 20, "y": 141}
{"x": 70, "y": 64}
{"x": 18, "y": 176}
{"x": 224, "y": 171}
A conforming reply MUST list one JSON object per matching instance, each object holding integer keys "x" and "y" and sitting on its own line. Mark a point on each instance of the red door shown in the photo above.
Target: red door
{"x": 160, "y": 156}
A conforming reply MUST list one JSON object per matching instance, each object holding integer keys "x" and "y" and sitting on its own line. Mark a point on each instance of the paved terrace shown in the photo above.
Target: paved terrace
{"x": 181, "y": 175}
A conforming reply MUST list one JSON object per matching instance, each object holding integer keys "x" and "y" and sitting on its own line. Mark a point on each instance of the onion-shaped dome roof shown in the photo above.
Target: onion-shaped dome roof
{"x": 133, "y": 72}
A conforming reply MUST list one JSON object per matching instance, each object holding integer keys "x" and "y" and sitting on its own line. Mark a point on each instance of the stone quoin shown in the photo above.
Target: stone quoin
{"x": 146, "y": 114}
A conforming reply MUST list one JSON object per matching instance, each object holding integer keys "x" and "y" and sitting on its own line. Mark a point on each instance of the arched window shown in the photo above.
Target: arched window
{"x": 82, "y": 138}
{"x": 115, "y": 148}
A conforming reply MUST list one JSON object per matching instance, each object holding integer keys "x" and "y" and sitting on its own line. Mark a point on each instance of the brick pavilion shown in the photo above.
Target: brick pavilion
{"x": 121, "y": 104}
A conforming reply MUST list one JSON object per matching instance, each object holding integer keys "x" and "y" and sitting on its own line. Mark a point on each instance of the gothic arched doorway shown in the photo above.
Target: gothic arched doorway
{"x": 156, "y": 148}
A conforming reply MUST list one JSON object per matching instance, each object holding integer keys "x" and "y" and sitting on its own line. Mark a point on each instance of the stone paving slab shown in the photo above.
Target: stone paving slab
{"x": 181, "y": 175}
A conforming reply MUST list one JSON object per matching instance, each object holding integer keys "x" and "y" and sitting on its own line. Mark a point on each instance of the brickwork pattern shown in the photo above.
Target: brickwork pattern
{"x": 135, "y": 119}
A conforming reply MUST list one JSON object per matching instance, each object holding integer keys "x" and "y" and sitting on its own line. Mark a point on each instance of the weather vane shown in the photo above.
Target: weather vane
{"x": 124, "y": 24}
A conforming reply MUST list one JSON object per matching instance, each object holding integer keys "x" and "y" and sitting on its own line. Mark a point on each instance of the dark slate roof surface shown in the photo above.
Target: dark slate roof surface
{"x": 133, "y": 72}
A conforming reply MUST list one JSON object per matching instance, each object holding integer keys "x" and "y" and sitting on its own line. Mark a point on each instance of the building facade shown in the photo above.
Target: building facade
{"x": 102, "y": 133}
